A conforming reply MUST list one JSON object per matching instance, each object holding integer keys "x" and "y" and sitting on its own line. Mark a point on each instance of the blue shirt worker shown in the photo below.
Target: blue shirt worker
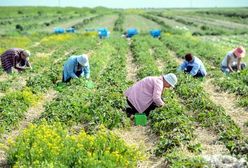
{"x": 193, "y": 66}
{"x": 75, "y": 67}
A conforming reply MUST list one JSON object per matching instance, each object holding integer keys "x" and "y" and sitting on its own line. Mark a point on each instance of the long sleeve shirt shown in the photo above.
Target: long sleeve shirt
{"x": 196, "y": 64}
{"x": 146, "y": 91}
{"x": 71, "y": 67}
{"x": 86, "y": 71}
{"x": 12, "y": 57}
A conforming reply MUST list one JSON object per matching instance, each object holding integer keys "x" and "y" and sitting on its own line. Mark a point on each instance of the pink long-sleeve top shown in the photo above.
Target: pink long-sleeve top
{"x": 146, "y": 91}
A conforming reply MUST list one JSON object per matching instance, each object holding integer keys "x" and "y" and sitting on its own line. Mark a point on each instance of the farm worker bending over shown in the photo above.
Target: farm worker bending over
{"x": 193, "y": 66}
{"x": 232, "y": 61}
{"x": 145, "y": 95}
{"x": 15, "y": 58}
{"x": 75, "y": 67}
{"x": 124, "y": 34}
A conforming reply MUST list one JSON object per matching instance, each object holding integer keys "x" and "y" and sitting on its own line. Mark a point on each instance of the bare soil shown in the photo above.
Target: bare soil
{"x": 228, "y": 102}
{"x": 131, "y": 67}
{"x": 209, "y": 141}
{"x": 143, "y": 139}
{"x": 32, "y": 114}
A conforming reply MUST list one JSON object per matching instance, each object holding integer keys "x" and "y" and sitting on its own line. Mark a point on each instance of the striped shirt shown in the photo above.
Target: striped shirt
{"x": 12, "y": 57}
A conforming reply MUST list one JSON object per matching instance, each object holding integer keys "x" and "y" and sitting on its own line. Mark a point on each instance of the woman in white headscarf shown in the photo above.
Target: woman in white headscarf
{"x": 75, "y": 67}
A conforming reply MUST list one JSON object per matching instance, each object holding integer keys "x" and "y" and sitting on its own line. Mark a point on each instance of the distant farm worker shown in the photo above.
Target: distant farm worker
{"x": 232, "y": 61}
{"x": 145, "y": 95}
{"x": 193, "y": 66}
{"x": 124, "y": 34}
{"x": 76, "y": 66}
{"x": 15, "y": 58}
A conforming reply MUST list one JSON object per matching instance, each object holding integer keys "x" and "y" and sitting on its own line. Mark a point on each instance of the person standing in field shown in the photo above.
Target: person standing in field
{"x": 145, "y": 95}
{"x": 193, "y": 66}
{"x": 232, "y": 61}
{"x": 15, "y": 58}
{"x": 76, "y": 66}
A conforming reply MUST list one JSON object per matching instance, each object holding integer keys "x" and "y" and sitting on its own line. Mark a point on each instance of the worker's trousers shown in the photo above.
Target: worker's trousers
{"x": 131, "y": 110}
{"x": 78, "y": 73}
{"x": 198, "y": 74}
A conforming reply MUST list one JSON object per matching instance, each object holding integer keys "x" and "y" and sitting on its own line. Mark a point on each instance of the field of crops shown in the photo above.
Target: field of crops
{"x": 46, "y": 123}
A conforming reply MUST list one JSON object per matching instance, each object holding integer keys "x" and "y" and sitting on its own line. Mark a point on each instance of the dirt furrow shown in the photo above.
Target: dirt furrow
{"x": 228, "y": 102}
{"x": 131, "y": 67}
{"x": 145, "y": 141}
{"x": 140, "y": 136}
{"x": 208, "y": 138}
{"x": 33, "y": 113}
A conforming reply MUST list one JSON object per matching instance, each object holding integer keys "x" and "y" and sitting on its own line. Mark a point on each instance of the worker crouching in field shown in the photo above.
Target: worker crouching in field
{"x": 145, "y": 95}
{"x": 15, "y": 58}
{"x": 75, "y": 67}
{"x": 193, "y": 66}
{"x": 232, "y": 61}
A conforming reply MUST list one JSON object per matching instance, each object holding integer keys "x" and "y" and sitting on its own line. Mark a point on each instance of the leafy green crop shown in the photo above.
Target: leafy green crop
{"x": 47, "y": 145}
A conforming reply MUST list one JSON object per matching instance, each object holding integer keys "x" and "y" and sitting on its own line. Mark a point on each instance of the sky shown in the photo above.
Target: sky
{"x": 128, "y": 3}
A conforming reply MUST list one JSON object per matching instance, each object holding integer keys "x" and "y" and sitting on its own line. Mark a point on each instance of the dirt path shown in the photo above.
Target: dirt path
{"x": 174, "y": 55}
{"x": 140, "y": 136}
{"x": 36, "y": 44}
{"x": 209, "y": 142}
{"x": 228, "y": 102}
{"x": 160, "y": 65}
{"x": 159, "y": 62}
{"x": 32, "y": 114}
{"x": 143, "y": 140}
{"x": 131, "y": 67}
{"x": 4, "y": 77}
{"x": 2, "y": 94}
{"x": 208, "y": 138}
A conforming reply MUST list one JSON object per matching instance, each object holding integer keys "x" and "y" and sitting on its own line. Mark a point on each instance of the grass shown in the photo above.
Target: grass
{"x": 106, "y": 21}
{"x": 139, "y": 22}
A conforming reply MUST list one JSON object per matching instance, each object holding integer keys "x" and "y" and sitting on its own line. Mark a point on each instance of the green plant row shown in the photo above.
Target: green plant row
{"x": 170, "y": 122}
{"x": 108, "y": 102}
{"x": 142, "y": 56}
{"x": 211, "y": 54}
{"x": 101, "y": 105}
{"x": 205, "y": 29}
{"x": 51, "y": 144}
{"x": 46, "y": 145}
{"x": 176, "y": 119}
{"x": 227, "y": 13}
{"x": 207, "y": 113}
{"x": 15, "y": 103}
{"x": 41, "y": 54}
{"x": 86, "y": 21}
{"x": 12, "y": 13}
{"x": 13, "y": 106}
{"x": 37, "y": 21}
{"x": 71, "y": 104}
{"x": 118, "y": 26}
{"x": 165, "y": 27}
{"x": 49, "y": 76}
{"x": 46, "y": 73}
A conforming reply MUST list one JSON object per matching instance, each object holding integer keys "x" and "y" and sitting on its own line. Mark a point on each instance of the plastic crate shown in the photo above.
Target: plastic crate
{"x": 140, "y": 119}
{"x": 103, "y": 32}
{"x": 70, "y": 30}
{"x": 131, "y": 32}
{"x": 59, "y": 30}
{"x": 155, "y": 33}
